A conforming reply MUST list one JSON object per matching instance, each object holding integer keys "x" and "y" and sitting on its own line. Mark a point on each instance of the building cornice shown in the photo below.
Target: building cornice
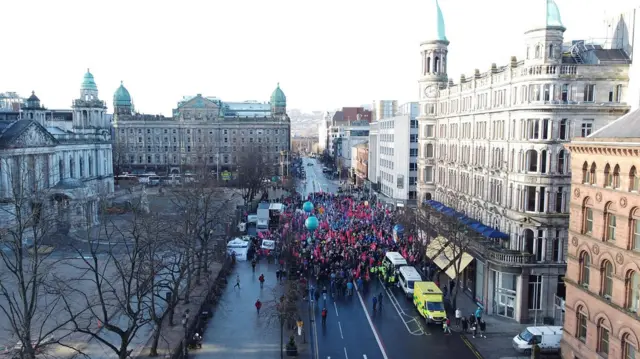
{"x": 605, "y": 148}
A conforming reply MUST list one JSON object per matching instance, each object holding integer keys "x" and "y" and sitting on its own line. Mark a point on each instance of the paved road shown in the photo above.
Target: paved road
{"x": 236, "y": 331}
{"x": 354, "y": 331}
{"x": 316, "y": 180}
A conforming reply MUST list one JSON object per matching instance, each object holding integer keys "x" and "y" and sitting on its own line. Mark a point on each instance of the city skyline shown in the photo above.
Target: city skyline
{"x": 317, "y": 65}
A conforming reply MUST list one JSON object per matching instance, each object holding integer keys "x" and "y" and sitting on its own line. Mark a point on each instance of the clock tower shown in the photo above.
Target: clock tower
{"x": 433, "y": 76}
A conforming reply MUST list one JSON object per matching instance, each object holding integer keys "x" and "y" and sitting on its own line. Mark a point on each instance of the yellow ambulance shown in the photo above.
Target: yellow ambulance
{"x": 427, "y": 298}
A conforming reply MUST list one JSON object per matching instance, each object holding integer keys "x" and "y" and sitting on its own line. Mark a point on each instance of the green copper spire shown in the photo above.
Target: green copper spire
{"x": 278, "y": 99}
{"x": 553, "y": 14}
{"x": 88, "y": 83}
{"x": 121, "y": 97}
{"x": 436, "y": 31}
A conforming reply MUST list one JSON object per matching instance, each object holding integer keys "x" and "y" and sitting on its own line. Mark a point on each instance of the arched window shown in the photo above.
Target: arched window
{"x": 428, "y": 64}
{"x": 585, "y": 173}
{"x": 428, "y": 150}
{"x": 634, "y": 181}
{"x": 616, "y": 177}
{"x": 585, "y": 262}
{"x": 608, "y": 176}
{"x": 634, "y": 229}
{"x": 532, "y": 160}
{"x": 561, "y": 161}
{"x": 592, "y": 173}
{"x": 629, "y": 350}
{"x": 543, "y": 161}
{"x": 436, "y": 65}
{"x": 581, "y": 324}
{"x": 563, "y": 123}
{"x": 606, "y": 278}
{"x": 632, "y": 284}
{"x": 603, "y": 338}
{"x": 537, "y": 51}
{"x": 610, "y": 222}
{"x": 587, "y": 216}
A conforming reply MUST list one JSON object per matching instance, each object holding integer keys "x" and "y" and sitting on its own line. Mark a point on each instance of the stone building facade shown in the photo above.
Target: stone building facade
{"x": 202, "y": 131}
{"x": 603, "y": 270}
{"x": 491, "y": 147}
{"x": 56, "y": 173}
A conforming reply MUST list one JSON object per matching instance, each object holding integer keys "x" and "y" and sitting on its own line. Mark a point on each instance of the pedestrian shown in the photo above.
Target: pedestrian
{"x": 483, "y": 328}
{"x": 237, "y": 282}
{"x": 278, "y": 275}
{"x": 465, "y": 325}
{"x": 261, "y": 279}
{"x": 324, "y": 316}
{"x": 445, "y": 326}
{"x": 474, "y": 329}
{"x": 299, "y": 323}
{"x": 478, "y": 313}
{"x": 258, "y": 305}
{"x": 458, "y": 316}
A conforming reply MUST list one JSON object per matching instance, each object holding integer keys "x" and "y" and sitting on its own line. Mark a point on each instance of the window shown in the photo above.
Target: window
{"x": 589, "y": 93}
{"x": 629, "y": 350}
{"x": 585, "y": 173}
{"x": 588, "y": 220}
{"x": 615, "y": 94}
{"x": 532, "y": 161}
{"x": 565, "y": 93}
{"x": 632, "y": 284}
{"x": 581, "y": 333}
{"x": 585, "y": 261}
{"x": 586, "y": 128}
{"x": 413, "y": 152}
{"x": 634, "y": 227}
{"x": 616, "y": 177}
{"x": 608, "y": 176}
{"x": 611, "y": 224}
{"x": 413, "y": 166}
{"x": 603, "y": 339}
{"x": 563, "y": 132}
{"x": 428, "y": 131}
{"x": 592, "y": 174}
{"x": 561, "y": 162}
{"x": 427, "y": 174}
{"x": 634, "y": 180}
{"x": 606, "y": 272}
{"x": 428, "y": 150}
{"x": 413, "y": 138}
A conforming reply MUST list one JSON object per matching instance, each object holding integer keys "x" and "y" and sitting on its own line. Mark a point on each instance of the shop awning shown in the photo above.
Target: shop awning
{"x": 464, "y": 262}
{"x": 445, "y": 257}
{"x": 436, "y": 246}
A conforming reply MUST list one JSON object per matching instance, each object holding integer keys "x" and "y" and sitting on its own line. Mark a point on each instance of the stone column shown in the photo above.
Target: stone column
{"x": 522, "y": 296}
{"x": 537, "y": 199}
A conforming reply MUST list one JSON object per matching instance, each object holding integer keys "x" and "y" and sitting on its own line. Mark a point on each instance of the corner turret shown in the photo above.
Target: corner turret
{"x": 278, "y": 102}
{"x": 543, "y": 40}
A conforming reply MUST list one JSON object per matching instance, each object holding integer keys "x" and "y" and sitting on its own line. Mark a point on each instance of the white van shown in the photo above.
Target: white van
{"x": 393, "y": 260}
{"x": 547, "y": 338}
{"x": 408, "y": 275}
{"x": 262, "y": 225}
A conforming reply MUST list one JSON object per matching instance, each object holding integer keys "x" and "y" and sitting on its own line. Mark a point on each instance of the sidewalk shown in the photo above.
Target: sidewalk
{"x": 140, "y": 344}
{"x": 500, "y": 331}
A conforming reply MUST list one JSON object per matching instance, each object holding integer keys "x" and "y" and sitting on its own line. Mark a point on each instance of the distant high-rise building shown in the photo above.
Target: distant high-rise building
{"x": 384, "y": 109}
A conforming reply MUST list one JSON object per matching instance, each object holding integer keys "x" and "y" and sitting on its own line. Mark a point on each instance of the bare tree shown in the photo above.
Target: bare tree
{"x": 113, "y": 284}
{"x": 283, "y": 310}
{"x": 29, "y": 309}
{"x": 119, "y": 157}
{"x": 253, "y": 171}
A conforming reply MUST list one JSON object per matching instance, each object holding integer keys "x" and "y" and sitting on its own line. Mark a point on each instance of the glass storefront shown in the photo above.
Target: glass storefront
{"x": 504, "y": 295}
{"x": 479, "y": 282}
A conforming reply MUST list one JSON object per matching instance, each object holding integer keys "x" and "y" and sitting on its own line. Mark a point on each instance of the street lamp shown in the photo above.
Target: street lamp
{"x": 185, "y": 325}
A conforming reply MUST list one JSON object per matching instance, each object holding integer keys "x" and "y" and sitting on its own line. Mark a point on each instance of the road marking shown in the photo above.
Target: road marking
{"x": 364, "y": 356}
{"x": 470, "y": 346}
{"x": 406, "y": 318}
{"x": 345, "y": 353}
{"x": 340, "y": 326}
{"x": 375, "y": 333}
{"x": 335, "y": 306}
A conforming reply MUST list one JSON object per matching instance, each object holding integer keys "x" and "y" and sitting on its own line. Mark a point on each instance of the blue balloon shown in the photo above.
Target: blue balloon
{"x": 307, "y": 207}
{"x": 311, "y": 223}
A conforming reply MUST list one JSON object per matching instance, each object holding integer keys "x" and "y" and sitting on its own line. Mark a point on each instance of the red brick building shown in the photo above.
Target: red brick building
{"x": 355, "y": 114}
{"x": 362, "y": 163}
{"x": 603, "y": 271}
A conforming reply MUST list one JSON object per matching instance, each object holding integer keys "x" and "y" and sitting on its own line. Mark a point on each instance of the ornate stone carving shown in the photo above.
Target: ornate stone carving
{"x": 623, "y": 202}
{"x": 33, "y": 137}
{"x": 576, "y": 193}
{"x": 619, "y": 258}
{"x": 574, "y": 241}
{"x": 599, "y": 197}
{"x": 595, "y": 249}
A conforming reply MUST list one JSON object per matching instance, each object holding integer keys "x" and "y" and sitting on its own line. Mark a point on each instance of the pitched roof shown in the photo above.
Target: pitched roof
{"x": 627, "y": 126}
{"x": 12, "y": 130}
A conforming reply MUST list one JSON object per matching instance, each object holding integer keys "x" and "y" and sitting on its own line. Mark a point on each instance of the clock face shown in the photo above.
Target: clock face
{"x": 431, "y": 91}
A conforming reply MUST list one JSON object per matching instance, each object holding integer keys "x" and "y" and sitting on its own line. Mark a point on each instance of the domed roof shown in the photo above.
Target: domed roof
{"x": 88, "y": 83}
{"x": 278, "y": 99}
{"x": 121, "y": 97}
{"x": 69, "y": 183}
{"x": 553, "y": 14}
{"x": 435, "y": 32}
{"x": 33, "y": 97}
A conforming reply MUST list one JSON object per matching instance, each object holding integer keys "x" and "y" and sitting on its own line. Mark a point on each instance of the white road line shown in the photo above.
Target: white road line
{"x": 364, "y": 356}
{"x": 373, "y": 329}
{"x": 335, "y": 306}
{"x": 345, "y": 353}
{"x": 340, "y": 326}
{"x": 315, "y": 331}
{"x": 400, "y": 311}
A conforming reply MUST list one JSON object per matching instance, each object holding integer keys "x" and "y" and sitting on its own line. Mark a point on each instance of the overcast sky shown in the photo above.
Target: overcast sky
{"x": 325, "y": 54}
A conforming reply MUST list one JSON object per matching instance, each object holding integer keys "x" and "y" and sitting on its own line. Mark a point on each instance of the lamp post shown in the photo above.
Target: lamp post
{"x": 185, "y": 325}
